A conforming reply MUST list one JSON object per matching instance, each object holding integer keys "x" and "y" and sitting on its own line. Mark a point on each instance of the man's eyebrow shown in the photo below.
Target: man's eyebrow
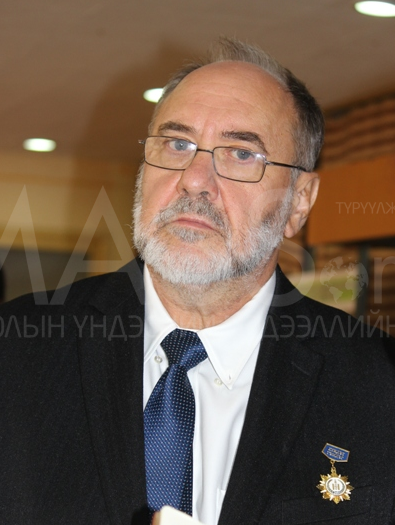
{"x": 247, "y": 136}
{"x": 175, "y": 126}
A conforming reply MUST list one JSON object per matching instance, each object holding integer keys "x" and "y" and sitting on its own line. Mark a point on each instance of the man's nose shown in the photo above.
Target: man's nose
{"x": 199, "y": 177}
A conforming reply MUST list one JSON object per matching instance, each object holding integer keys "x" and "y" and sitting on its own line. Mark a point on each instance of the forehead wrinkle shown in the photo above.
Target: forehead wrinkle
{"x": 172, "y": 125}
{"x": 246, "y": 136}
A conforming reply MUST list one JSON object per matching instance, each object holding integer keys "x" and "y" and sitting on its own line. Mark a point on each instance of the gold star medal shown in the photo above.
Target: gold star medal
{"x": 333, "y": 486}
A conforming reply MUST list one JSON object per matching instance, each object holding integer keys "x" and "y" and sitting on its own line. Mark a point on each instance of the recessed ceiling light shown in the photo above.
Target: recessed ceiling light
{"x": 39, "y": 144}
{"x": 153, "y": 95}
{"x": 371, "y": 8}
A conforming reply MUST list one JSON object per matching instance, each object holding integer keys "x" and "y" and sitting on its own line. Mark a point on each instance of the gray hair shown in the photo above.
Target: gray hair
{"x": 309, "y": 130}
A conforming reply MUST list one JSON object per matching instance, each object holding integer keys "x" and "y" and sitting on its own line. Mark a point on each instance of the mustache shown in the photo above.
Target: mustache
{"x": 201, "y": 207}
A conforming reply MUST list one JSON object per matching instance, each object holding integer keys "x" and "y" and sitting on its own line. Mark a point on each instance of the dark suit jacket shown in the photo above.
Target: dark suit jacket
{"x": 71, "y": 419}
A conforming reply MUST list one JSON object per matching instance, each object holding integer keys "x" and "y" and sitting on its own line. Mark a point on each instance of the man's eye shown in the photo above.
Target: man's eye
{"x": 180, "y": 145}
{"x": 243, "y": 154}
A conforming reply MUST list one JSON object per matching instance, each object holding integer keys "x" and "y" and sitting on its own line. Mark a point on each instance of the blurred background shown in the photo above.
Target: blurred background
{"x": 75, "y": 72}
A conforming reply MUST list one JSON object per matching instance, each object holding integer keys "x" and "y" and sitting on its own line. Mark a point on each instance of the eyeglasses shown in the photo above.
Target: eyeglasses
{"x": 238, "y": 164}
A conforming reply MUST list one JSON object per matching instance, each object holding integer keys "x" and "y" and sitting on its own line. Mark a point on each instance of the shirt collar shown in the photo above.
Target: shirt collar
{"x": 229, "y": 345}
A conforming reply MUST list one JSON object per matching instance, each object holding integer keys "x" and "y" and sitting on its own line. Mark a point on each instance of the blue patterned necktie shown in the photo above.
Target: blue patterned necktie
{"x": 169, "y": 422}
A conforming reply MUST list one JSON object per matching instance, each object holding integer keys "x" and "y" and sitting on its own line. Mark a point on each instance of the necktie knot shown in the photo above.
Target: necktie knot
{"x": 184, "y": 348}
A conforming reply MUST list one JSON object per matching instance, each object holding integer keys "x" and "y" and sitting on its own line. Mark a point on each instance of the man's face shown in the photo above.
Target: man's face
{"x": 193, "y": 226}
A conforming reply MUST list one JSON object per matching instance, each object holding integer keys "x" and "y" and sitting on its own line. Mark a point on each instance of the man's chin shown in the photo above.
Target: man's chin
{"x": 183, "y": 263}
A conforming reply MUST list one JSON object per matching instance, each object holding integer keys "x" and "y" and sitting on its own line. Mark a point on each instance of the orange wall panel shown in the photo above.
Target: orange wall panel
{"x": 356, "y": 202}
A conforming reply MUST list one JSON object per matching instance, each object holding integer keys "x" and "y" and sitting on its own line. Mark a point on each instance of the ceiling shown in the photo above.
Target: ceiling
{"x": 75, "y": 70}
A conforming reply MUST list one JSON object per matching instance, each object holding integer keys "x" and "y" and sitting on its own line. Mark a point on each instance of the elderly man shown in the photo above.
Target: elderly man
{"x": 237, "y": 400}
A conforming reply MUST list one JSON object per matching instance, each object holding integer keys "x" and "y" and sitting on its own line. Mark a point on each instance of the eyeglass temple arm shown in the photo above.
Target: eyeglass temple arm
{"x": 272, "y": 163}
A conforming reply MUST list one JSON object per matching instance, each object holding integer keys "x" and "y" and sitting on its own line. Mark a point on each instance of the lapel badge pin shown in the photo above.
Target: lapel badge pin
{"x": 333, "y": 486}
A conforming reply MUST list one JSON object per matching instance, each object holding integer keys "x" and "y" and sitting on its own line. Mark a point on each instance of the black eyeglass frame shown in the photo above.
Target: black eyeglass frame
{"x": 260, "y": 155}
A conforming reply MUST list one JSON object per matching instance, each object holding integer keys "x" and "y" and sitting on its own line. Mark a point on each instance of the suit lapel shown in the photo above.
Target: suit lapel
{"x": 111, "y": 360}
{"x": 285, "y": 378}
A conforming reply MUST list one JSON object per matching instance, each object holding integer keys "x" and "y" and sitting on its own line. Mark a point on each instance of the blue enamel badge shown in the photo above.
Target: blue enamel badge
{"x": 336, "y": 453}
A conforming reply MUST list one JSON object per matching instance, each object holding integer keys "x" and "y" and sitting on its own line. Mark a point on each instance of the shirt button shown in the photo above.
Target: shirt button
{"x": 217, "y": 381}
{"x": 157, "y": 359}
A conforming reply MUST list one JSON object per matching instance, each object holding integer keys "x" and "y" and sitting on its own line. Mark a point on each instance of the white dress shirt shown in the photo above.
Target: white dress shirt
{"x": 221, "y": 385}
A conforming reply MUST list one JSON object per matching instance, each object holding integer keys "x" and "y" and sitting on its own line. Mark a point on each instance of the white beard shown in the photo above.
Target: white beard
{"x": 237, "y": 259}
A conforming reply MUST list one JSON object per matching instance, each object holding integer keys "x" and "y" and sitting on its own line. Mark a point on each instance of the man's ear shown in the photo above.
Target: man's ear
{"x": 305, "y": 193}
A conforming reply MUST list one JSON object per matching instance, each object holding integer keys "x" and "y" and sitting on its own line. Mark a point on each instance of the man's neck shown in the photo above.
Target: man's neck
{"x": 198, "y": 307}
